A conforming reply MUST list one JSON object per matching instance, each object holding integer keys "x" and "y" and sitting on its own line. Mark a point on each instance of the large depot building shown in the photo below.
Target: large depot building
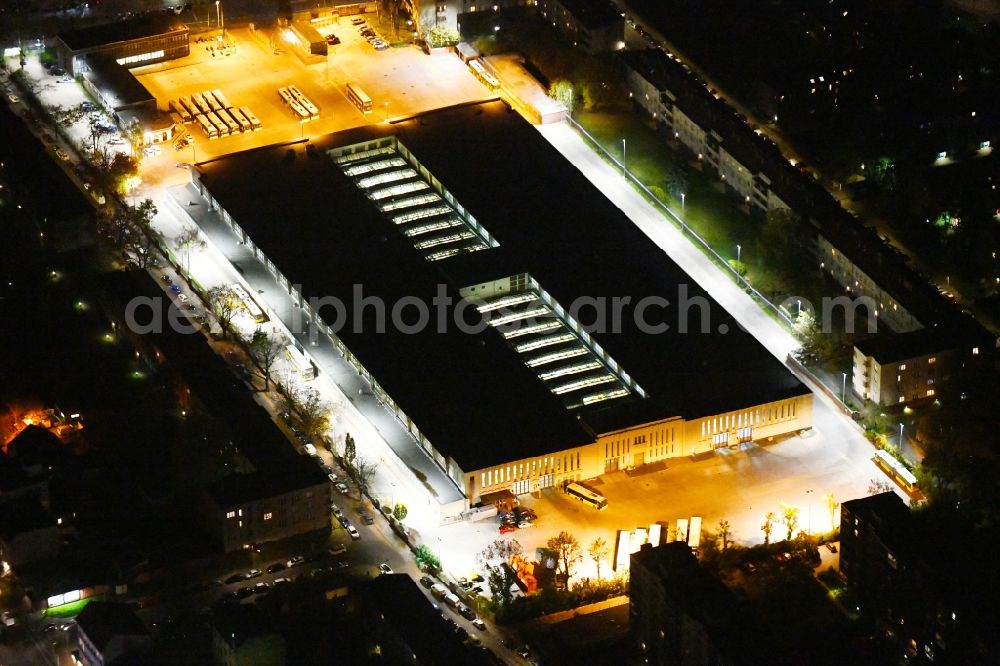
{"x": 473, "y": 204}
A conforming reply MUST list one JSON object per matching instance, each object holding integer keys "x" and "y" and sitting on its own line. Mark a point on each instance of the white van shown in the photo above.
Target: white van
{"x": 453, "y": 600}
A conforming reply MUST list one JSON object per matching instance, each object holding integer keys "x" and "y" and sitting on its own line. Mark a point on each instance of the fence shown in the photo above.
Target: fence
{"x": 749, "y": 288}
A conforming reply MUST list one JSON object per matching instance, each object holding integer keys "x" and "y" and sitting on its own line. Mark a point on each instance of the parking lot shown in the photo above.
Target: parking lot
{"x": 400, "y": 81}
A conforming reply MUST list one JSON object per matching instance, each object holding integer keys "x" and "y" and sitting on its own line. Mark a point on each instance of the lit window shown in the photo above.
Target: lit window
{"x": 231, "y": 514}
{"x": 268, "y": 515}
{"x": 902, "y": 367}
{"x": 975, "y": 351}
{"x": 932, "y": 360}
{"x": 930, "y": 392}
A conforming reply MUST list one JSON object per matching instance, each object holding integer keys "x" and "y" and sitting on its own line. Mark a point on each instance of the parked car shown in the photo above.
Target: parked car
{"x": 262, "y": 587}
{"x": 235, "y": 578}
{"x": 479, "y": 624}
{"x": 357, "y": 20}
{"x": 380, "y": 45}
{"x": 353, "y": 532}
{"x": 61, "y": 154}
{"x": 276, "y": 567}
{"x": 466, "y": 612}
{"x": 439, "y": 590}
{"x": 13, "y": 98}
{"x": 366, "y": 518}
{"x": 337, "y": 550}
{"x": 385, "y": 568}
{"x": 344, "y": 522}
{"x": 253, "y": 573}
{"x": 295, "y": 561}
{"x": 504, "y": 529}
{"x": 427, "y": 582}
{"x": 341, "y": 487}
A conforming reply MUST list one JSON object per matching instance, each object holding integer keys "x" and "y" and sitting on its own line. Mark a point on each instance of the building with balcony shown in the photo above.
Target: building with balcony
{"x": 595, "y": 26}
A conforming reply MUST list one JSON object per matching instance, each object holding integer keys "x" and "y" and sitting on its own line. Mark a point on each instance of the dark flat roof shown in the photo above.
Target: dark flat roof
{"x": 147, "y": 25}
{"x": 894, "y": 347}
{"x": 472, "y": 395}
{"x": 117, "y": 85}
{"x": 298, "y": 473}
{"x": 103, "y": 620}
{"x": 23, "y": 514}
{"x": 593, "y": 13}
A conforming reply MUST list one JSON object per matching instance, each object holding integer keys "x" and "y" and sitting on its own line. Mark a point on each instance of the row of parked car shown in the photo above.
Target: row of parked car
{"x": 451, "y": 599}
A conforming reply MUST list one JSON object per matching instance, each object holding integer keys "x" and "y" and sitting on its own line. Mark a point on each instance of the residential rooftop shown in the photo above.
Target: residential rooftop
{"x": 895, "y": 347}
{"x": 102, "y": 621}
{"x": 296, "y": 474}
{"x": 328, "y": 234}
{"x": 139, "y": 27}
{"x": 593, "y": 14}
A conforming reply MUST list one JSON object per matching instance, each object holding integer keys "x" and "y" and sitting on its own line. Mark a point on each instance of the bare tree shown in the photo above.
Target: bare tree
{"x": 365, "y": 470}
{"x": 768, "y": 526}
{"x": 877, "y": 486}
{"x": 725, "y": 532}
{"x": 265, "y": 350}
{"x": 831, "y": 506}
{"x": 225, "y": 304}
{"x": 350, "y": 450}
{"x": 568, "y": 549}
{"x": 493, "y": 559}
{"x": 188, "y": 240}
{"x": 598, "y": 550}
{"x": 790, "y": 517}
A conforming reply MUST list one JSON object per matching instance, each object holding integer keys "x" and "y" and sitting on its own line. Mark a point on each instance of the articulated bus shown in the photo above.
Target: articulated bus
{"x": 221, "y": 98}
{"x": 358, "y": 98}
{"x": 199, "y": 101}
{"x": 179, "y": 109}
{"x": 219, "y": 125}
{"x": 208, "y": 127}
{"x": 186, "y": 102}
{"x": 303, "y": 367}
{"x": 488, "y": 79}
{"x": 254, "y": 123}
{"x": 212, "y": 102}
{"x": 895, "y": 469}
{"x": 234, "y": 127}
{"x": 587, "y": 496}
{"x": 245, "y": 125}
{"x": 251, "y": 305}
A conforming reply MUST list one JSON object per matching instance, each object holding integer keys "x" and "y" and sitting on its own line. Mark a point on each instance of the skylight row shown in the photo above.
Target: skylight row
{"x": 534, "y": 329}
{"x": 392, "y": 177}
{"x": 364, "y": 155}
{"x": 409, "y": 202}
{"x": 385, "y": 177}
{"x": 420, "y": 214}
{"x": 506, "y": 302}
{"x": 574, "y": 369}
{"x": 422, "y": 229}
{"x": 584, "y": 383}
{"x": 368, "y": 167}
{"x": 546, "y": 341}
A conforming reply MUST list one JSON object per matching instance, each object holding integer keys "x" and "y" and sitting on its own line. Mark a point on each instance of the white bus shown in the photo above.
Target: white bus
{"x": 587, "y": 496}
{"x": 303, "y": 100}
{"x": 895, "y": 469}
{"x": 234, "y": 127}
{"x": 305, "y": 369}
{"x": 212, "y": 102}
{"x": 219, "y": 125}
{"x": 179, "y": 109}
{"x": 359, "y": 98}
{"x": 186, "y": 102}
{"x": 245, "y": 125}
{"x": 251, "y": 305}
{"x": 254, "y": 123}
{"x": 199, "y": 101}
{"x": 488, "y": 79}
{"x": 221, "y": 98}
{"x": 208, "y": 127}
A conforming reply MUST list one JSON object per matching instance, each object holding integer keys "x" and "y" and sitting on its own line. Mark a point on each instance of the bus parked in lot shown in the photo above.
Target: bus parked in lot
{"x": 186, "y": 102}
{"x": 208, "y": 127}
{"x": 179, "y": 109}
{"x": 212, "y": 102}
{"x": 587, "y": 496}
{"x": 219, "y": 125}
{"x": 200, "y": 103}
{"x": 244, "y": 124}
{"x": 221, "y": 99}
{"x": 254, "y": 123}
{"x": 359, "y": 98}
{"x": 234, "y": 127}
{"x": 256, "y": 313}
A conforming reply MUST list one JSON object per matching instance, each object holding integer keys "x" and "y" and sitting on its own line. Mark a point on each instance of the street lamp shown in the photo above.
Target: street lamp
{"x": 218, "y": 14}
{"x": 809, "y": 512}
{"x": 843, "y": 388}
{"x": 901, "y": 439}
{"x": 623, "y": 157}
{"x": 682, "y": 200}
{"x": 798, "y": 308}
{"x": 739, "y": 249}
